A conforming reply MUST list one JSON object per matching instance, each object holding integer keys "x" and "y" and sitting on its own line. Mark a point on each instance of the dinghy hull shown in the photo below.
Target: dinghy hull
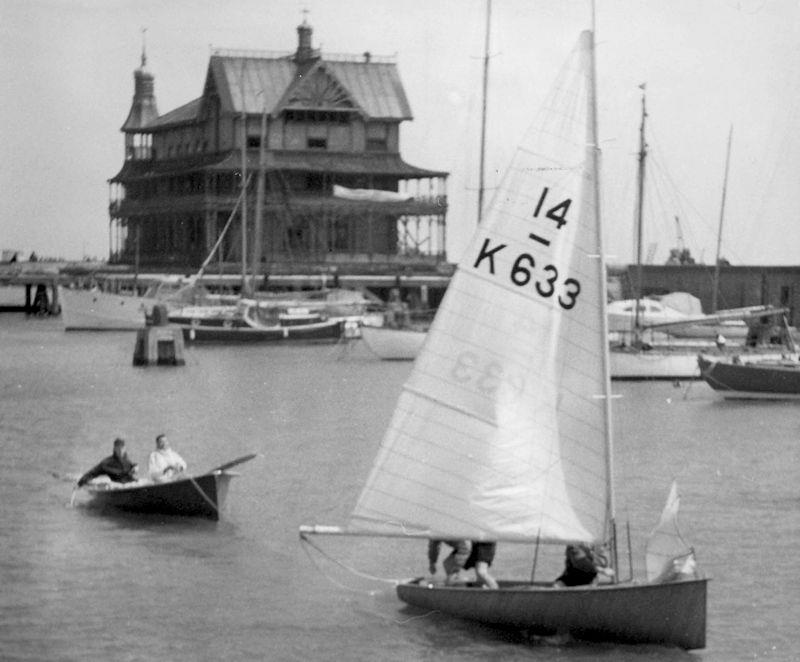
{"x": 200, "y": 496}
{"x": 672, "y": 614}
{"x": 393, "y": 344}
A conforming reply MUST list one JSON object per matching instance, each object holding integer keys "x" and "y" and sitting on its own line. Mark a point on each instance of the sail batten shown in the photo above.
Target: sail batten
{"x": 498, "y": 433}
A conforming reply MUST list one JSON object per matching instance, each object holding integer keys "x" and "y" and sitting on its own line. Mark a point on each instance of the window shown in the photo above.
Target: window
{"x": 254, "y": 141}
{"x": 377, "y": 137}
{"x": 376, "y": 145}
{"x": 317, "y": 143}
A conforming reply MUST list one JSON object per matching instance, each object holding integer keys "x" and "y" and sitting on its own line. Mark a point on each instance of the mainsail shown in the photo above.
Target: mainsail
{"x": 501, "y": 431}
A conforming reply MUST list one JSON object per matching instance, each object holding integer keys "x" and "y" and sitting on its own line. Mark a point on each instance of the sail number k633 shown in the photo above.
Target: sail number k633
{"x": 524, "y": 272}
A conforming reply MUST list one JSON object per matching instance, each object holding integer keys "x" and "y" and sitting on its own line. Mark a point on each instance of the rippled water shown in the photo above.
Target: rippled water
{"x": 77, "y": 584}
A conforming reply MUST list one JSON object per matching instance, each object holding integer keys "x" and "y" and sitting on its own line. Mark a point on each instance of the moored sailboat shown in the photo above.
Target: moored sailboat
{"x": 503, "y": 430}
{"x": 739, "y": 376}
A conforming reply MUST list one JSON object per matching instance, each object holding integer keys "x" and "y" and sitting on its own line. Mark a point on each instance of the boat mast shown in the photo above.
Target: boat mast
{"x": 594, "y": 145}
{"x": 258, "y": 232}
{"x": 244, "y": 188}
{"x": 481, "y": 185}
{"x": 639, "y": 213}
{"x": 719, "y": 232}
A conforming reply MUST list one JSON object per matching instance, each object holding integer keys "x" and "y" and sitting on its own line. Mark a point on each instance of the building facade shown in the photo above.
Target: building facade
{"x": 739, "y": 286}
{"x": 287, "y": 163}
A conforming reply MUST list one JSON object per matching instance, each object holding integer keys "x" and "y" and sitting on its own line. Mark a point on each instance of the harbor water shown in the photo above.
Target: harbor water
{"x": 79, "y": 584}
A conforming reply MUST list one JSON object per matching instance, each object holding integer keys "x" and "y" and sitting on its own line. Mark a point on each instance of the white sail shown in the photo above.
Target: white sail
{"x": 500, "y": 432}
{"x": 667, "y": 555}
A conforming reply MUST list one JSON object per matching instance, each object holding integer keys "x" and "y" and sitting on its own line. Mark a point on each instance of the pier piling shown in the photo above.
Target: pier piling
{"x": 159, "y": 343}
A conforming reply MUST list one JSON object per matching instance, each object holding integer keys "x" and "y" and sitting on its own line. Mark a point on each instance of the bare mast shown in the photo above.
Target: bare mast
{"x": 639, "y": 213}
{"x": 481, "y": 185}
{"x": 258, "y": 230}
{"x": 244, "y": 188}
{"x": 719, "y": 231}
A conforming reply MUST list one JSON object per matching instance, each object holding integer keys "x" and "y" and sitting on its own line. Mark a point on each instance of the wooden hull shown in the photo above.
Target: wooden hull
{"x": 763, "y": 380}
{"x": 393, "y": 344}
{"x": 217, "y": 331}
{"x": 672, "y": 614}
{"x": 201, "y": 496}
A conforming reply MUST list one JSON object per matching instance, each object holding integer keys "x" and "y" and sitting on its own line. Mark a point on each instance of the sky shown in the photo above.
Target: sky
{"x": 709, "y": 66}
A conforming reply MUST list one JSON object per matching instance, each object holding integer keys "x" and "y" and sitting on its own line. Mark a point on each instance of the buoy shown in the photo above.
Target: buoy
{"x": 159, "y": 342}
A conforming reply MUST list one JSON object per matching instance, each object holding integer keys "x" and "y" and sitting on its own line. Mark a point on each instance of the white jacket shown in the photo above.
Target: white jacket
{"x": 164, "y": 464}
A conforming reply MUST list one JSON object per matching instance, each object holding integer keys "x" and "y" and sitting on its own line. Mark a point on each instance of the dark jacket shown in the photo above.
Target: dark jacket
{"x": 120, "y": 470}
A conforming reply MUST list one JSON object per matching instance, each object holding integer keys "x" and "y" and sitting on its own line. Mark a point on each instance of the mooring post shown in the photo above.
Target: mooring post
{"x": 159, "y": 342}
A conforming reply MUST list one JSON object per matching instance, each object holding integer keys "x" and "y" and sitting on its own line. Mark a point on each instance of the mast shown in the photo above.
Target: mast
{"x": 258, "y": 232}
{"x": 244, "y": 189}
{"x": 594, "y": 145}
{"x": 714, "y": 292}
{"x": 639, "y": 212}
{"x": 481, "y": 185}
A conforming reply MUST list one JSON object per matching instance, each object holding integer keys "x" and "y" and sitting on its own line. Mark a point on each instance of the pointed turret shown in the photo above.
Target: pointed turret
{"x": 143, "y": 111}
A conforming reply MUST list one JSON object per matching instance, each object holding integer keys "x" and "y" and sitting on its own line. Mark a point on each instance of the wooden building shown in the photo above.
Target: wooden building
{"x": 739, "y": 286}
{"x": 316, "y": 141}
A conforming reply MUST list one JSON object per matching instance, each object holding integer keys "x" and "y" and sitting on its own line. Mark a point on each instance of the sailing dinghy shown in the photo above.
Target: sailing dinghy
{"x": 503, "y": 430}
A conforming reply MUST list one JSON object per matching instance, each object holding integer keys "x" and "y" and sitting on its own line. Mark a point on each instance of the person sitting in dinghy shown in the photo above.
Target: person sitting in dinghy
{"x": 454, "y": 563}
{"x": 116, "y": 468}
{"x": 582, "y": 565}
{"x": 164, "y": 464}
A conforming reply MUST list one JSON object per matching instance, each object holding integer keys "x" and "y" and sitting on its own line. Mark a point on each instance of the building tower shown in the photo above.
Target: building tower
{"x": 138, "y": 144}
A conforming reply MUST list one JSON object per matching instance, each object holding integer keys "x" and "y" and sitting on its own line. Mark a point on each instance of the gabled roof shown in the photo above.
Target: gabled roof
{"x": 375, "y": 86}
{"x": 249, "y": 84}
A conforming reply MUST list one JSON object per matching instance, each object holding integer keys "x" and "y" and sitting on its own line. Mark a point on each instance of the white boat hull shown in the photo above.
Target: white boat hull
{"x": 93, "y": 310}
{"x": 653, "y": 364}
{"x": 391, "y": 344}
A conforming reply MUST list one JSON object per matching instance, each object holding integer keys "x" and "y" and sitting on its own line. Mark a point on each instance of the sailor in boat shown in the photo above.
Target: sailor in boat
{"x": 164, "y": 463}
{"x": 396, "y": 315}
{"x": 454, "y": 563}
{"x": 582, "y": 565}
{"x": 116, "y": 468}
{"x": 481, "y": 558}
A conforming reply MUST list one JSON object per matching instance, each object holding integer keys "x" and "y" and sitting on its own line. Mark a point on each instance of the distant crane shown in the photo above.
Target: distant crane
{"x": 681, "y": 245}
{"x": 681, "y": 254}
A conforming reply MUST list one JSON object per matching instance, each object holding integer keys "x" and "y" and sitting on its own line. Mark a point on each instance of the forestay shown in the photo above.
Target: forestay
{"x": 500, "y": 432}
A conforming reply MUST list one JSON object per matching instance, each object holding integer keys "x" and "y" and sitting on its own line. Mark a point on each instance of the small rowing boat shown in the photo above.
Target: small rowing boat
{"x": 190, "y": 496}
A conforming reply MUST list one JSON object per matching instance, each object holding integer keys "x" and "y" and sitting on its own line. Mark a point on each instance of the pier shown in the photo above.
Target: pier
{"x": 40, "y": 281}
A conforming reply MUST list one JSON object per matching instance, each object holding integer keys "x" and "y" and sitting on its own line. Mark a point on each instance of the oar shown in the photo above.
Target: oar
{"x": 233, "y": 463}
{"x": 67, "y": 478}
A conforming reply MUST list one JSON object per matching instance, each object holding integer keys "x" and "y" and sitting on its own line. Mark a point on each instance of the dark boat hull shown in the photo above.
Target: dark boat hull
{"x": 328, "y": 331}
{"x": 773, "y": 380}
{"x": 672, "y": 614}
{"x": 200, "y": 496}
